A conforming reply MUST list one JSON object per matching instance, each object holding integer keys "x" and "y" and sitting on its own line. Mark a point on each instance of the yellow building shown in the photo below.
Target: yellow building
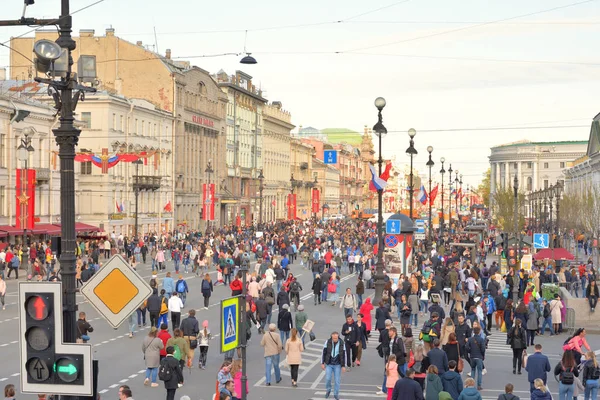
{"x": 189, "y": 94}
{"x": 301, "y": 158}
{"x": 276, "y": 161}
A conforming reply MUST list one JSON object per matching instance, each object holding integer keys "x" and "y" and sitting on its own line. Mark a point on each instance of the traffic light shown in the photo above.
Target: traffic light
{"x": 511, "y": 257}
{"x": 48, "y": 365}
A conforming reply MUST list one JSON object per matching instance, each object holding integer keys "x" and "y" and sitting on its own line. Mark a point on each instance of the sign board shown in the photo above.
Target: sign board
{"x": 116, "y": 290}
{"x": 541, "y": 240}
{"x": 230, "y": 319}
{"x": 419, "y": 236}
{"x": 308, "y": 325}
{"x": 420, "y": 225}
{"x": 526, "y": 262}
{"x": 47, "y": 364}
{"x": 259, "y": 234}
{"x": 330, "y": 156}
{"x": 393, "y": 227}
{"x": 391, "y": 241}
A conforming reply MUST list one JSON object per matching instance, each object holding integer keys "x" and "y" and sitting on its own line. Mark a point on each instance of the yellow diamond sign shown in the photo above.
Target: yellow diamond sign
{"x": 116, "y": 290}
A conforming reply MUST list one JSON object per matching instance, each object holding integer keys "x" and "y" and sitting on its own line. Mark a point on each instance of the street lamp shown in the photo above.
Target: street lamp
{"x": 551, "y": 196}
{"x": 461, "y": 193}
{"x": 381, "y": 130}
{"x": 430, "y": 164}
{"x": 456, "y": 182}
{"x": 411, "y": 151}
{"x": 209, "y": 170}
{"x": 261, "y": 187}
{"x": 558, "y": 191}
{"x": 516, "y": 209}
{"x": 450, "y": 198}
{"x": 136, "y": 192}
{"x": 442, "y": 172}
{"x": 315, "y": 186}
{"x": 23, "y": 155}
{"x": 292, "y": 183}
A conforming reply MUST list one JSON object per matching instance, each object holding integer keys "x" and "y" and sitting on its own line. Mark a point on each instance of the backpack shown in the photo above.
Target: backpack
{"x": 205, "y": 285}
{"x": 596, "y": 373}
{"x": 294, "y": 287}
{"x": 165, "y": 371}
{"x": 181, "y": 287}
{"x": 163, "y": 306}
{"x": 567, "y": 377}
{"x": 176, "y": 352}
{"x": 427, "y": 332}
{"x": 546, "y": 311}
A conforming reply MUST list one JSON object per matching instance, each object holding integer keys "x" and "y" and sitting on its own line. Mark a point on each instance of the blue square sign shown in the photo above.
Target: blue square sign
{"x": 420, "y": 224}
{"x": 330, "y": 156}
{"x": 393, "y": 227}
{"x": 541, "y": 241}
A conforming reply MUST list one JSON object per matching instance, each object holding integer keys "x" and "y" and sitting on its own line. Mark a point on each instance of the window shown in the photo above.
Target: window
{"x": 2, "y": 200}
{"x": 545, "y": 183}
{"x": 562, "y": 164}
{"x": 86, "y": 118}
{"x": 114, "y": 122}
{"x": 122, "y": 127}
{"x": 529, "y": 165}
{"x": 545, "y": 165}
{"x": 529, "y": 183}
{"x": 516, "y": 165}
{"x": 86, "y": 168}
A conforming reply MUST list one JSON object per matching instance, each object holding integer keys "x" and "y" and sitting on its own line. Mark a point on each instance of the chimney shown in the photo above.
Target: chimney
{"x": 168, "y": 54}
{"x": 86, "y": 33}
{"x": 110, "y": 32}
{"x": 139, "y": 43}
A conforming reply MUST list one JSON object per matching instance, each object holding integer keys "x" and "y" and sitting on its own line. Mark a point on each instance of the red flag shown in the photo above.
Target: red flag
{"x": 459, "y": 194}
{"x": 273, "y": 203}
{"x": 118, "y": 207}
{"x": 315, "y": 200}
{"x": 168, "y": 207}
{"x": 433, "y": 194}
{"x": 25, "y": 194}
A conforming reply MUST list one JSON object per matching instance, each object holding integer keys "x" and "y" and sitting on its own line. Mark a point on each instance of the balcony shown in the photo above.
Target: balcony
{"x": 42, "y": 174}
{"x": 143, "y": 182}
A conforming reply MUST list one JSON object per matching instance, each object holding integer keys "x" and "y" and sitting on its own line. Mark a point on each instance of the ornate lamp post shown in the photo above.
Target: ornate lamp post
{"x": 261, "y": 187}
{"x": 442, "y": 221}
{"x": 551, "y": 197}
{"x": 381, "y": 130}
{"x": 315, "y": 183}
{"x": 411, "y": 151}
{"x": 292, "y": 183}
{"x": 136, "y": 192}
{"x": 516, "y": 209}
{"x": 450, "y": 198}
{"x": 23, "y": 155}
{"x": 456, "y": 182}
{"x": 430, "y": 164}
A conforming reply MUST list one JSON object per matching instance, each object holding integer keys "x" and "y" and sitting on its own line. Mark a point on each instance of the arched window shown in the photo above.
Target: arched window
{"x": 529, "y": 183}
{"x": 202, "y": 88}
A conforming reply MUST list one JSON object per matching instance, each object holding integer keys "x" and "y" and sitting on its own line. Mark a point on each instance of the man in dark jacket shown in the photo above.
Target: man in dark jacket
{"x": 407, "y": 388}
{"x": 284, "y": 323}
{"x": 351, "y": 337}
{"x": 153, "y": 306}
{"x": 396, "y": 346}
{"x": 83, "y": 328}
{"x": 190, "y": 328}
{"x": 283, "y": 298}
{"x": 537, "y": 366}
{"x": 262, "y": 311}
{"x": 438, "y": 357}
{"x": 334, "y": 362}
{"x": 451, "y": 381}
{"x": 463, "y": 333}
{"x": 476, "y": 349}
{"x": 176, "y": 376}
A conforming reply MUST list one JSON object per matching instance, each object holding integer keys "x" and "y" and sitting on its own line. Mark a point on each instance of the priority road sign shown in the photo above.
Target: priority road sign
{"x": 393, "y": 227}
{"x": 47, "y": 364}
{"x": 230, "y": 317}
{"x": 330, "y": 156}
{"x": 541, "y": 240}
{"x": 116, "y": 290}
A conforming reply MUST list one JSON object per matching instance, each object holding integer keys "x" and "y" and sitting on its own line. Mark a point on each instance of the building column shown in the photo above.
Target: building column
{"x": 521, "y": 182}
{"x": 497, "y": 180}
{"x": 534, "y": 184}
{"x": 506, "y": 175}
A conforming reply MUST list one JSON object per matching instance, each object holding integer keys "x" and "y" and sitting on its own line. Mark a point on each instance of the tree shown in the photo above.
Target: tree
{"x": 503, "y": 212}
{"x": 484, "y": 187}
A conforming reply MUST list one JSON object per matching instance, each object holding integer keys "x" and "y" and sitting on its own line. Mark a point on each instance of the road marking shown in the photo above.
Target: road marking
{"x": 318, "y": 380}
{"x": 141, "y": 371}
{"x": 132, "y": 376}
{"x": 16, "y": 374}
{"x": 123, "y": 380}
{"x": 103, "y": 391}
{"x": 3, "y": 379}
{"x": 113, "y": 386}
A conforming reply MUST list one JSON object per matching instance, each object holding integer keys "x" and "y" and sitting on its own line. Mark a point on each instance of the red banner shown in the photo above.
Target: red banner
{"x": 208, "y": 202}
{"x": 291, "y": 206}
{"x": 25, "y": 213}
{"x": 315, "y": 200}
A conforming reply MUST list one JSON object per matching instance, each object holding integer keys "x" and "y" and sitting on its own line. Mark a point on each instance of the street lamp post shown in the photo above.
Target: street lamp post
{"x": 551, "y": 196}
{"x": 292, "y": 183}
{"x": 23, "y": 155}
{"x": 456, "y": 181}
{"x": 261, "y": 187}
{"x": 442, "y": 221}
{"x": 516, "y": 209}
{"x": 315, "y": 186}
{"x": 136, "y": 192}
{"x": 430, "y": 164}
{"x": 461, "y": 193}
{"x": 450, "y": 198}
{"x": 243, "y": 338}
{"x": 558, "y": 191}
{"x": 209, "y": 170}
{"x": 381, "y": 130}
{"x": 411, "y": 151}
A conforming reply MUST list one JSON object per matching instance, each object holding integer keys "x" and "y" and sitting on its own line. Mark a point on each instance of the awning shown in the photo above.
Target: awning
{"x": 45, "y": 229}
{"x": 11, "y": 230}
{"x": 3, "y": 234}
{"x": 81, "y": 227}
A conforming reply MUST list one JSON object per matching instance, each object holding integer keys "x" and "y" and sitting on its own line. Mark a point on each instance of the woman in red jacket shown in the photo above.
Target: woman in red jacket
{"x": 236, "y": 286}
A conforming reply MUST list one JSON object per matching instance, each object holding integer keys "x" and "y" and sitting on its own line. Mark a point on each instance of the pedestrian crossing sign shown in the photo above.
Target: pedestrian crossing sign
{"x": 230, "y": 316}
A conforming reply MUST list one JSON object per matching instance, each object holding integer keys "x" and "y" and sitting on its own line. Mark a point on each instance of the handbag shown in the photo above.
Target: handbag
{"x": 331, "y": 288}
{"x": 460, "y": 364}
{"x": 380, "y": 350}
{"x": 312, "y": 336}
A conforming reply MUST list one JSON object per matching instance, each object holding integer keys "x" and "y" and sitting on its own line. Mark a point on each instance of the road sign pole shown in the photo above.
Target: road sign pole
{"x": 242, "y": 332}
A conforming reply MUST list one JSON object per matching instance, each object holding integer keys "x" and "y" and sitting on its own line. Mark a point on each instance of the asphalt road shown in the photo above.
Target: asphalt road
{"x": 121, "y": 358}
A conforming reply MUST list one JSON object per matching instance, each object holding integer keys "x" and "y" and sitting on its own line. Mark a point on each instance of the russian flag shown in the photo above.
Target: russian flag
{"x": 385, "y": 176}
{"x": 122, "y": 207}
{"x": 422, "y": 196}
{"x": 376, "y": 181}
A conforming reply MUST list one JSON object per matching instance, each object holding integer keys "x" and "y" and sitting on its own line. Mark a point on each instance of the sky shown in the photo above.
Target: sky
{"x": 447, "y": 68}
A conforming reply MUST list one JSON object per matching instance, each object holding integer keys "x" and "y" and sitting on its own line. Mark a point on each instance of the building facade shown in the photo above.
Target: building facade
{"x": 328, "y": 183}
{"x": 276, "y": 161}
{"x": 116, "y": 127}
{"x": 301, "y": 169}
{"x": 43, "y": 158}
{"x": 585, "y": 171}
{"x": 537, "y": 165}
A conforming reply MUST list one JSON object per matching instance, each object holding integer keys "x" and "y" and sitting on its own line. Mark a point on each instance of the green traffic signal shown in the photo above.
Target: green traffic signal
{"x": 69, "y": 369}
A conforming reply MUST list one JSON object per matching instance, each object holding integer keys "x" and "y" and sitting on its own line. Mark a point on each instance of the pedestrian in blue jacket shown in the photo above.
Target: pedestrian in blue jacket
{"x": 537, "y": 367}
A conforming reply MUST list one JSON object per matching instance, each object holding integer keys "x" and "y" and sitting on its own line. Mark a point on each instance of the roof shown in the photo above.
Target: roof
{"x": 342, "y": 135}
{"x": 530, "y": 143}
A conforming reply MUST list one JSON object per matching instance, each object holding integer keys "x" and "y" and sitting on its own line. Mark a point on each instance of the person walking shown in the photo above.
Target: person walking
{"x": 565, "y": 373}
{"x": 533, "y": 325}
{"x": 206, "y": 288}
{"x": 469, "y": 392}
{"x": 382, "y": 314}
{"x": 407, "y": 388}
{"x": 475, "y": 348}
{"x": 300, "y": 319}
{"x": 190, "y": 328}
{"x": 508, "y": 393}
{"x": 163, "y": 314}
{"x": 164, "y": 335}
{"x": 365, "y": 310}
{"x": 517, "y": 340}
{"x": 317, "y": 286}
{"x": 204, "y": 337}
{"x": 272, "y": 344}
{"x": 351, "y": 339}
{"x": 363, "y": 337}
{"x": 438, "y": 357}
{"x": 348, "y": 303}
{"x": 174, "y": 378}
{"x": 591, "y": 375}
{"x": 83, "y": 328}
{"x": 2, "y": 291}
{"x": 537, "y": 367}
{"x": 182, "y": 289}
{"x": 284, "y": 323}
{"x": 391, "y": 372}
{"x": 451, "y": 381}
{"x": 434, "y": 383}
{"x": 540, "y": 391}
{"x": 175, "y": 305}
{"x": 182, "y": 349}
{"x": 592, "y": 294}
{"x": 151, "y": 347}
{"x": 452, "y": 350}
{"x": 555, "y": 311}
{"x": 294, "y": 349}
{"x": 153, "y": 305}
{"x": 333, "y": 362}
